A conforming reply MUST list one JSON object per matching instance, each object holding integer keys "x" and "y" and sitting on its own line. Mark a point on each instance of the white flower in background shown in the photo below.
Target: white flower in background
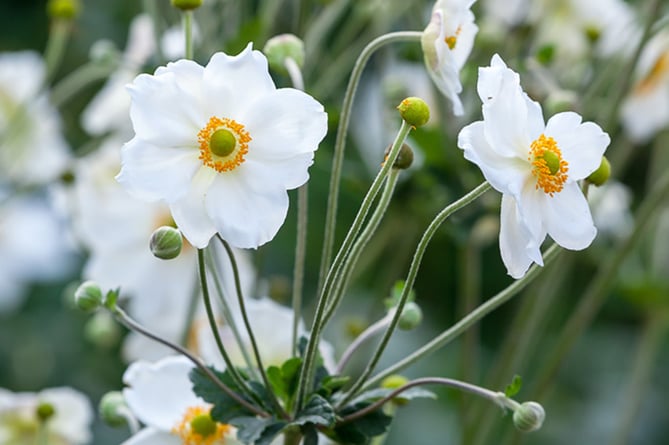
{"x": 645, "y": 110}
{"x": 33, "y": 247}
{"x": 32, "y": 148}
{"x": 108, "y": 110}
{"x": 115, "y": 228}
{"x": 68, "y": 415}
{"x": 610, "y": 205}
{"x": 447, "y": 42}
{"x": 172, "y": 42}
{"x": 507, "y": 13}
{"x": 221, "y": 146}
{"x": 535, "y": 165}
{"x": 161, "y": 396}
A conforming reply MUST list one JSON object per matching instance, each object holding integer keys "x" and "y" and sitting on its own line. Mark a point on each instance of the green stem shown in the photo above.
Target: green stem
{"x": 55, "y": 49}
{"x": 300, "y": 256}
{"x": 360, "y": 339}
{"x": 473, "y": 317}
{"x": 411, "y": 278}
{"x": 188, "y": 34}
{"x": 340, "y": 141}
{"x": 78, "y": 79}
{"x": 190, "y": 312}
{"x": 294, "y": 73}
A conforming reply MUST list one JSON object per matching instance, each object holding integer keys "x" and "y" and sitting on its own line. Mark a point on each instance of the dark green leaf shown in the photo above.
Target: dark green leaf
{"x": 317, "y": 411}
{"x": 361, "y": 431}
{"x": 514, "y": 387}
{"x": 310, "y": 435}
{"x": 225, "y": 407}
{"x": 275, "y": 377}
{"x": 334, "y": 383}
{"x": 256, "y": 431}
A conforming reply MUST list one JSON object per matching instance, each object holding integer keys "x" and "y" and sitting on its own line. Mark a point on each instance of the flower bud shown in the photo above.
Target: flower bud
{"x": 63, "y": 9}
{"x": 282, "y": 47}
{"x": 602, "y": 174}
{"x": 414, "y": 111}
{"x": 102, "y": 330}
{"x": 393, "y": 382}
{"x": 45, "y": 411}
{"x": 88, "y": 296}
{"x": 411, "y": 317}
{"x": 166, "y": 243}
{"x": 113, "y": 409}
{"x": 186, "y": 5}
{"x": 529, "y": 417}
{"x": 404, "y": 157}
{"x": 545, "y": 54}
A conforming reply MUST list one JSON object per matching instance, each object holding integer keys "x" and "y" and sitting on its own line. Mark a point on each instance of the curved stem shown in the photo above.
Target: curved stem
{"x": 295, "y": 73}
{"x": 360, "y": 339}
{"x": 77, "y": 80}
{"x": 473, "y": 317}
{"x": 340, "y": 141}
{"x": 411, "y": 278}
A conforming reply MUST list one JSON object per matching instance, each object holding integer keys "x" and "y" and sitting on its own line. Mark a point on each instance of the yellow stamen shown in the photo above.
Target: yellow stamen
{"x": 452, "y": 40}
{"x": 197, "y": 428}
{"x": 223, "y": 144}
{"x": 549, "y": 167}
{"x": 654, "y": 76}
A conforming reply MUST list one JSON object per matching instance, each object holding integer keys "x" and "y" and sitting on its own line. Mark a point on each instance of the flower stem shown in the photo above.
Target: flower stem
{"x": 295, "y": 73}
{"x": 77, "y": 80}
{"x": 462, "y": 325}
{"x": 340, "y": 142}
{"x": 53, "y": 54}
{"x": 188, "y": 34}
{"x": 362, "y": 338}
{"x": 411, "y": 278}
{"x": 300, "y": 255}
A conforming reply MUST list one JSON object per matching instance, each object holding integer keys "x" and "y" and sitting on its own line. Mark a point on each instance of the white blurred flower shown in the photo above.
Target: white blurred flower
{"x": 69, "y": 423}
{"x": 172, "y": 42}
{"x": 645, "y": 110}
{"x": 221, "y": 146}
{"x": 610, "y": 206}
{"x": 33, "y": 247}
{"x": 447, "y": 42}
{"x": 508, "y": 13}
{"x": 32, "y": 148}
{"x": 535, "y": 165}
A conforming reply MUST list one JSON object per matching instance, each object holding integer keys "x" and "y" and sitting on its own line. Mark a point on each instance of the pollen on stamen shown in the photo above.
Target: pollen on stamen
{"x": 236, "y": 157}
{"x": 451, "y": 41}
{"x": 550, "y": 168}
{"x": 187, "y": 428}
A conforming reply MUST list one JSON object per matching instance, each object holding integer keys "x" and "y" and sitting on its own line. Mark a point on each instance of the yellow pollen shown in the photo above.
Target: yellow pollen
{"x": 211, "y": 154}
{"x": 193, "y": 419}
{"x": 654, "y": 76}
{"x": 549, "y": 167}
{"x": 452, "y": 40}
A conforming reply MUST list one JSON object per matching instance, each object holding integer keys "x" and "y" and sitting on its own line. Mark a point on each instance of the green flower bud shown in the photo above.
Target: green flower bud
{"x": 282, "y": 47}
{"x": 88, "y": 296}
{"x": 411, "y": 317}
{"x": 102, "y": 330}
{"x": 63, "y": 9}
{"x": 529, "y": 417}
{"x": 113, "y": 409}
{"x": 166, "y": 243}
{"x": 45, "y": 411}
{"x": 393, "y": 382}
{"x": 404, "y": 157}
{"x": 545, "y": 54}
{"x": 186, "y": 5}
{"x": 414, "y": 111}
{"x": 602, "y": 174}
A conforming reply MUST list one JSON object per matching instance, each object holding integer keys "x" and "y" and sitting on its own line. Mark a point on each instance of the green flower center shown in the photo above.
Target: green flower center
{"x": 552, "y": 161}
{"x": 203, "y": 425}
{"x": 222, "y": 142}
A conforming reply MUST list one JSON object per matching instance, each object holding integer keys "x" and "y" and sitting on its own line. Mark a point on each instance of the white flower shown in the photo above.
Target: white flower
{"x": 220, "y": 145}
{"x": 535, "y": 165}
{"x": 645, "y": 110}
{"x": 68, "y": 425}
{"x": 161, "y": 396}
{"x": 447, "y": 42}
{"x": 32, "y": 148}
{"x": 508, "y": 13}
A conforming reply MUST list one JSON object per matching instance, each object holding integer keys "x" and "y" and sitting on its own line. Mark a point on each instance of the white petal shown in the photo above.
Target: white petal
{"x": 283, "y": 124}
{"x": 287, "y": 173}
{"x": 151, "y": 436}
{"x": 582, "y": 144}
{"x": 568, "y": 220}
{"x": 190, "y": 213}
{"x": 73, "y": 413}
{"x": 160, "y": 393}
{"x": 515, "y": 241}
{"x": 153, "y": 173}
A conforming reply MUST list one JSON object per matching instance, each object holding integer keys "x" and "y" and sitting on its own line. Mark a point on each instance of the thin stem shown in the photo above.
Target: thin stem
{"x": 78, "y": 79}
{"x": 411, "y": 278}
{"x": 190, "y": 313}
{"x": 249, "y": 330}
{"x": 360, "y": 339}
{"x": 131, "y": 324}
{"x": 300, "y": 255}
{"x": 188, "y": 34}
{"x": 151, "y": 8}
{"x": 295, "y": 73}
{"x": 53, "y": 54}
{"x": 340, "y": 141}
{"x": 497, "y": 397}
{"x": 130, "y": 419}
{"x": 464, "y": 324}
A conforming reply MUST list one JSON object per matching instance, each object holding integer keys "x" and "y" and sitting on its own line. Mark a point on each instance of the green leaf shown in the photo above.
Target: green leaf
{"x": 317, "y": 411}
{"x": 361, "y": 431}
{"x": 514, "y": 387}
{"x": 225, "y": 407}
{"x": 379, "y": 393}
{"x": 334, "y": 383}
{"x": 257, "y": 431}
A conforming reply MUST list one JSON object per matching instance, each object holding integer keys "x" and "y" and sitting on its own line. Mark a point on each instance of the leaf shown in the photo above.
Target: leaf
{"x": 333, "y": 383}
{"x": 379, "y": 393}
{"x": 514, "y": 387}
{"x": 256, "y": 431}
{"x": 310, "y": 435}
{"x": 225, "y": 407}
{"x": 317, "y": 411}
{"x": 361, "y": 431}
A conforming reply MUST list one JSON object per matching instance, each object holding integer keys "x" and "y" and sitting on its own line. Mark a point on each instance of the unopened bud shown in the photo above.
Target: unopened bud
{"x": 414, "y": 111}
{"x": 545, "y": 54}
{"x": 404, "y": 157}
{"x": 166, "y": 243}
{"x": 282, "y": 47}
{"x": 529, "y": 417}
{"x": 186, "y": 5}
{"x": 45, "y": 411}
{"x": 411, "y": 317}
{"x": 88, "y": 296}
{"x": 102, "y": 330}
{"x": 113, "y": 409}
{"x": 63, "y": 9}
{"x": 602, "y": 174}
{"x": 393, "y": 382}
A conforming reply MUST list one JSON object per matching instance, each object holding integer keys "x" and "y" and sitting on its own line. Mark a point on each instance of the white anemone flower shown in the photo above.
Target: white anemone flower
{"x": 221, "y": 145}
{"x": 161, "y": 396}
{"x": 645, "y": 110}
{"x": 447, "y": 42}
{"x": 535, "y": 165}
{"x": 67, "y": 415}
{"x": 32, "y": 147}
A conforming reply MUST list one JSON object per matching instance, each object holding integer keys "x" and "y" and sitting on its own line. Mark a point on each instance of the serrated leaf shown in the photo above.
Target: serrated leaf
{"x": 257, "y": 431}
{"x": 225, "y": 407}
{"x": 317, "y": 411}
{"x": 362, "y": 430}
{"x": 379, "y": 393}
{"x": 514, "y": 387}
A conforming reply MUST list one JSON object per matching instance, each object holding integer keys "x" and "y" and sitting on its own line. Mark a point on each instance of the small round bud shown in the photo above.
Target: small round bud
{"x": 393, "y": 382}
{"x": 282, "y": 47}
{"x": 102, "y": 330}
{"x": 88, "y": 296}
{"x": 63, "y": 9}
{"x": 404, "y": 157}
{"x": 602, "y": 174}
{"x": 593, "y": 33}
{"x": 545, "y": 54}
{"x": 186, "y": 5}
{"x": 411, "y": 317}
{"x": 113, "y": 409}
{"x": 529, "y": 417}
{"x": 45, "y": 411}
{"x": 166, "y": 243}
{"x": 414, "y": 111}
